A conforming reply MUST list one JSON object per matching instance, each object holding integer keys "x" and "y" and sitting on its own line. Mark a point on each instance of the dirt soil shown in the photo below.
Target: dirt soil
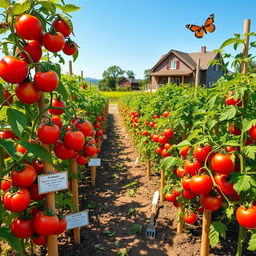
{"x": 112, "y": 229}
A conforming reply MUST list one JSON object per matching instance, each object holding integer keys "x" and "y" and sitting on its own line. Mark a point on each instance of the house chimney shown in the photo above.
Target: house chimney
{"x": 203, "y": 49}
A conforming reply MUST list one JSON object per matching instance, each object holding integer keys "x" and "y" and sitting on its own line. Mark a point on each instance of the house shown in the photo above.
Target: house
{"x": 180, "y": 67}
{"x": 131, "y": 83}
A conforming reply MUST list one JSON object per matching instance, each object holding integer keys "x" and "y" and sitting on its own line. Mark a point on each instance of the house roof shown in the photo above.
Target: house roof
{"x": 190, "y": 59}
{"x": 171, "y": 73}
{"x": 130, "y": 80}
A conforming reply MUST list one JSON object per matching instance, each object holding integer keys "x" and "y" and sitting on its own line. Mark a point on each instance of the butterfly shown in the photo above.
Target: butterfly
{"x": 207, "y": 27}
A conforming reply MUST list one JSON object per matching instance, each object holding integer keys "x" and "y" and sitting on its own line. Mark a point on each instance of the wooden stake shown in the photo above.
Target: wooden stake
{"x": 205, "y": 245}
{"x": 180, "y": 224}
{"x": 82, "y": 74}
{"x": 197, "y": 79}
{"x": 162, "y": 185}
{"x": 148, "y": 173}
{"x": 244, "y": 65}
{"x": 74, "y": 182}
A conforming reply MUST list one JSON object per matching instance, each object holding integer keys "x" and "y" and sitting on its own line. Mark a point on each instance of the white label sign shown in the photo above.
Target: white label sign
{"x": 78, "y": 219}
{"x": 52, "y": 182}
{"x": 95, "y": 162}
{"x": 126, "y": 136}
{"x": 105, "y": 137}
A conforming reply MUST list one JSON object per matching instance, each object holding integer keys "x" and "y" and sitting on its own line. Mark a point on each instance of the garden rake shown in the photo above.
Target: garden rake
{"x": 151, "y": 231}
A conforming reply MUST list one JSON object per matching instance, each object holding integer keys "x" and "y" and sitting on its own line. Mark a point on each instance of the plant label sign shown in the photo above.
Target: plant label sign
{"x": 52, "y": 182}
{"x": 76, "y": 220}
{"x": 136, "y": 161}
{"x": 95, "y": 162}
{"x": 105, "y": 136}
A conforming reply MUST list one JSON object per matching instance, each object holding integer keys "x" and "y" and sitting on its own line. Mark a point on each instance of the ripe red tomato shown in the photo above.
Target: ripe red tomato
{"x": 81, "y": 159}
{"x": 62, "y": 27}
{"x": 39, "y": 240}
{"x": 252, "y": 132}
{"x": 176, "y": 204}
{"x": 190, "y": 217}
{"x": 27, "y": 93}
{"x": 167, "y": 146}
{"x": 22, "y": 228}
{"x": 57, "y": 121}
{"x": 144, "y": 133}
{"x": 70, "y": 48}
{"x": 165, "y": 153}
{"x": 230, "y": 149}
{"x": 159, "y": 150}
{"x": 33, "y": 48}
{"x": 162, "y": 139}
{"x": 222, "y": 163}
{"x": 156, "y": 116}
{"x": 45, "y": 225}
{"x": 34, "y": 211}
{"x": 234, "y": 129}
{"x": 192, "y": 167}
{"x": 7, "y": 135}
{"x": 48, "y": 134}
{"x": 168, "y": 133}
{"x": 28, "y": 27}
{"x": 166, "y": 114}
{"x": 210, "y": 202}
{"x": 17, "y": 202}
{"x": 170, "y": 197}
{"x": 246, "y": 217}
{"x": 57, "y": 103}
{"x": 6, "y": 183}
{"x": 33, "y": 189}
{"x": 84, "y": 126}
{"x": 90, "y": 150}
{"x": 184, "y": 151}
{"x": 201, "y": 152}
{"x": 90, "y": 140}
{"x": 13, "y": 70}
{"x": 201, "y": 184}
{"x": 24, "y": 177}
{"x": 74, "y": 140}
{"x": 180, "y": 172}
{"x": 62, "y": 225}
{"x": 188, "y": 194}
{"x": 226, "y": 187}
{"x": 21, "y": 149}
{"x": 7, "y": 96}
{"x": 185, "y": 182}
{"x": 46, "y": 81}
{"x": 54, "y": 42}
{"x": 231, "y": 101}
{"x": 61, "y": 151}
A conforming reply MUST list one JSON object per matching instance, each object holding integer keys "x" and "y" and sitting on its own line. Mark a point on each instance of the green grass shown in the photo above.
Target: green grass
{"x": 115, "y": 96}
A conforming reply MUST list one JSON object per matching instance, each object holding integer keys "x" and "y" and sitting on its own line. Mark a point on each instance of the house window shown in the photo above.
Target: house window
{"x": 173, "y": 64}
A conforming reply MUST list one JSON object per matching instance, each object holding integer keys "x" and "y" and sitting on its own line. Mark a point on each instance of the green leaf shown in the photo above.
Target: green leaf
{"x": 228, "y": 42}
{"x": 229, "y": 113}
{"x": 75, "y": 55}
{"x": 17, "y": 121}
{"x": 70, "y": 8}
{"x": 4, "y": 4}
{"x": 21, "y": 6}
{"x": 38, "y": 151}
{"x": 217, "y": 229}
{"x": 242, "y": 182}
{"x": 183, "y": 144}
{"x": 247, "y": 124}
{"x": 168, "y": 162}
{"x": 229, "y": 212}
{"x": 250, "y": 151}
{"x": 62, "y": 90}
{"x": 231, "y": 143}
{"x": 211, "y": 102}
{"x": 252, "y": 243}
{"x": 13, "y": 241}
{"x": 48, "y": 6}
{"x": 9, "y": 146}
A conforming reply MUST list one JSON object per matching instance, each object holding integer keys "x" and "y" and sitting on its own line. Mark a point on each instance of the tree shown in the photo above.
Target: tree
{"x": 130, "y": 74}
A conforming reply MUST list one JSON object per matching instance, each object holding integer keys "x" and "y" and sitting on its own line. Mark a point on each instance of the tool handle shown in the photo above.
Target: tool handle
{"x": 155, "y": 198}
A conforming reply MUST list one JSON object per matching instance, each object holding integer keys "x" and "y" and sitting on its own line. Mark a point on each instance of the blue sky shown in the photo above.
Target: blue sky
{"x": 133, "y": 34}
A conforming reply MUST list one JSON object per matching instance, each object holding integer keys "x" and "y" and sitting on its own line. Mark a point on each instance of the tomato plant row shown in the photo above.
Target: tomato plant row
{"x": 47, "y": 118}
{"x": 204, "y": 139}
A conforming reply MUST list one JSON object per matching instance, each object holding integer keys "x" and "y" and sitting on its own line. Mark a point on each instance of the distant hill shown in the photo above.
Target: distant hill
{"x": 93, "y": 80}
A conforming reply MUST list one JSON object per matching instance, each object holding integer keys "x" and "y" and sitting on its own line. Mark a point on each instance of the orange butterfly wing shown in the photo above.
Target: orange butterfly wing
{"x": 199, "y": 31}
{"x": 208, "y": 25}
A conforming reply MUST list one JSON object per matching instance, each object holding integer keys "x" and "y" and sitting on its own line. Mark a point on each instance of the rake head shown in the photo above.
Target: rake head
{"x": 150, "y": 231}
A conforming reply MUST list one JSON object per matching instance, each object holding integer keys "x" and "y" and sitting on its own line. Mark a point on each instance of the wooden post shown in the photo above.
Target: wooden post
{"x": 197, "y": 80}
{"x": 162, "y": 185}
{"x": 82, "y": 74}
{"x": 205, "y": 245}
{"x": 180, "y": 224}
{"x": 244, "y": 65}
{"x": 52, "y": 242}
{"x": 74, "y": 183}
{"x": 148, "y": 172}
